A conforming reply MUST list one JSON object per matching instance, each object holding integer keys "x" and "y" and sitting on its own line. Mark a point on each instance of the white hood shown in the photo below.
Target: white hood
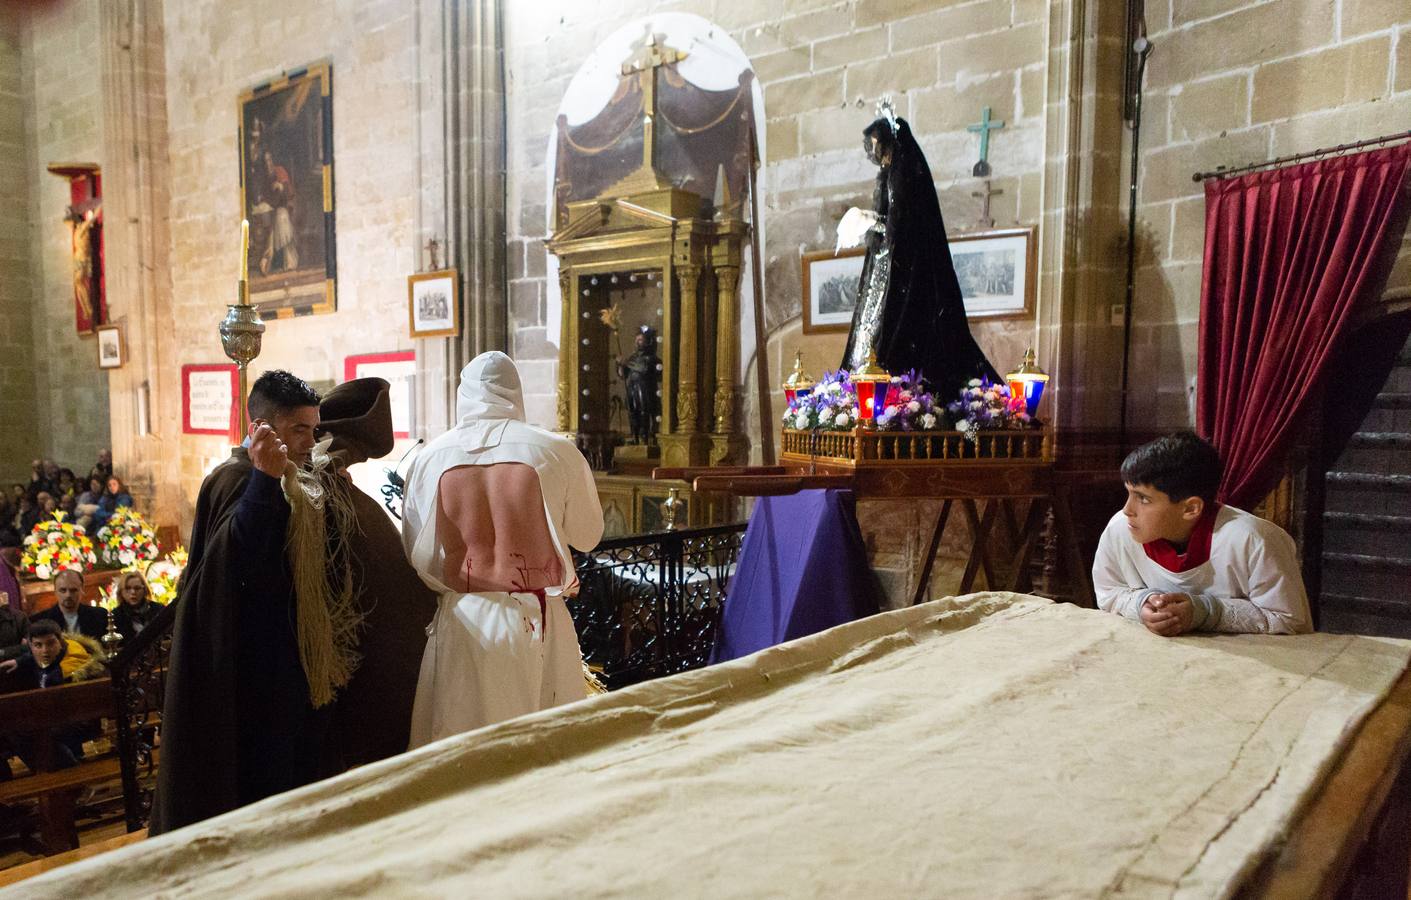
{"x": 489, "y": 397}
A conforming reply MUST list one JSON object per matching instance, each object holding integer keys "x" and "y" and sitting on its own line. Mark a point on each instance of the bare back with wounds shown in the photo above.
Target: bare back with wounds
{"x": 496, "y": 534}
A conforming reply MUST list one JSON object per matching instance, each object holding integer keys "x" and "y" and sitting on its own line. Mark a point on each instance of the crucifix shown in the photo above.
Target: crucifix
{"x": 431, "y": 247}
{"x": 984, "y": 221}
{"x": 648, "y": 61}
{"x": 983, "y": 128}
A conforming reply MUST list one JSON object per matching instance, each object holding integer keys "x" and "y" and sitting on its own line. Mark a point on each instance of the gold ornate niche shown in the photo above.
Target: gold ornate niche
{"x": 669, "y": 218}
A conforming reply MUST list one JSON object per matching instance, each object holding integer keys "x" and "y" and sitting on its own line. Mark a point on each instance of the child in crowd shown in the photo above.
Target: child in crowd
{"x": 1178, "y": 561}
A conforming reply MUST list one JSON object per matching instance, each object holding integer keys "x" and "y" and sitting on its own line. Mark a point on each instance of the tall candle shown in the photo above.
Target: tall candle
{"x": 244, "y": 249}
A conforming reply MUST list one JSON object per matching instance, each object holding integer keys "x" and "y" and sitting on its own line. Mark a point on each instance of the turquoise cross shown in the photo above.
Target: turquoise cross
{"x": 983, "y": 128}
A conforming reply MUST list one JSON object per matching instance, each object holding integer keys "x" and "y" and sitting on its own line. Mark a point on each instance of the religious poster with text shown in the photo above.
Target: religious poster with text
{"x": 208, "y": 399}
{"x": 399, "y": 370}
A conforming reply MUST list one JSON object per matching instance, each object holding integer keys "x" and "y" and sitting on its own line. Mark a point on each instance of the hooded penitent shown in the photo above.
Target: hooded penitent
{"x": 492, "y": 507}
{"x": 909, "y": 307}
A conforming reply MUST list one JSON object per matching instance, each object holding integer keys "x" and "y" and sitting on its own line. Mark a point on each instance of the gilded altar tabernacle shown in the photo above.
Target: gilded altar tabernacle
{"x": 649, "y": 238}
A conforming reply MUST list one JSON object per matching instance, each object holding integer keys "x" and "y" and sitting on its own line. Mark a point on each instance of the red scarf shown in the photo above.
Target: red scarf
{"x": 1165, "y": 554}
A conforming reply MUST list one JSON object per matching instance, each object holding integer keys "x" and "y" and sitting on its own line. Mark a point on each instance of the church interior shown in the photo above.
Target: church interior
{"x": 853, "y": 323}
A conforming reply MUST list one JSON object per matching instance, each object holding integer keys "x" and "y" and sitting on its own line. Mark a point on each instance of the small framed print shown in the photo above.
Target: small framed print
{"x": 997, "y": 271}
{"x": 110, "y": 348}
{"x": 830, "y": 283}
{"x": 433, "y": 304}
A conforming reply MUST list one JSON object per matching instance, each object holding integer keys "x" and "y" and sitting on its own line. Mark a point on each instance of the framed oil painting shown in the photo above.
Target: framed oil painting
{"x": 830, "y": 282}
{"x": 433, "y": 304}
{"x": 286, "y": 192}
{"x": 997, "y": 271}
{"x": 110, "y": 349}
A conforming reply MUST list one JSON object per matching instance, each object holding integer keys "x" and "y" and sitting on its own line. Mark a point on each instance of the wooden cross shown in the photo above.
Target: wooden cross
{"x": 648, "y": 61}
{"x": 983, "y": 128}
{"x": 431, "y": 247}
{"x": 984, "y": 221}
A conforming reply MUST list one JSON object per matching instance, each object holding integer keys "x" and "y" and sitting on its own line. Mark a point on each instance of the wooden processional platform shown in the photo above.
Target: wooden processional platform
{"x": 1005, "y": 470}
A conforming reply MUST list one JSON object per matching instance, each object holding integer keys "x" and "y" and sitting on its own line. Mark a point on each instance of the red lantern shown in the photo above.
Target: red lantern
{"x": 870, "y": 382}
{"x": 1027, "y": 383}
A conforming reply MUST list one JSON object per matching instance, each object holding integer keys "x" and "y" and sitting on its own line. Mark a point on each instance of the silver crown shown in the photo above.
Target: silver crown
{"x": 887, "y": 110}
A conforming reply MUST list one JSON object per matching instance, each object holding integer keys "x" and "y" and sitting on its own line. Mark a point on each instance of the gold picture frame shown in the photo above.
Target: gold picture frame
{"x": 285, "y": 140}
{"x": 434, "y": 304}
{"x": 997, "y": 270}
{"x": 830, "y": 287}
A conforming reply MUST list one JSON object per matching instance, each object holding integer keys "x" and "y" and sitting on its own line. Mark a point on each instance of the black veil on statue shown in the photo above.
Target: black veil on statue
{"x": 909, "y": 306}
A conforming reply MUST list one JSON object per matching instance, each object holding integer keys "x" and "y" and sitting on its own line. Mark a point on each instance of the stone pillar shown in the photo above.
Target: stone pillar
{"x": 460, "y": 105}
{"x": 145, "y": 394}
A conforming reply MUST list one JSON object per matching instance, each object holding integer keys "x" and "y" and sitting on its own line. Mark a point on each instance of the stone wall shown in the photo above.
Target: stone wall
{"x": 214, "y": 51}
{"x": 20, "y": 436}
{"x": 1231, "y": 82}
{"x": 823, "y": 65}
{"x": 63, "y": 123}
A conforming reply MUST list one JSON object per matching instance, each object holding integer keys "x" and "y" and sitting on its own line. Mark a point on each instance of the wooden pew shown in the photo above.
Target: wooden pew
{"x": 37, "y": 714}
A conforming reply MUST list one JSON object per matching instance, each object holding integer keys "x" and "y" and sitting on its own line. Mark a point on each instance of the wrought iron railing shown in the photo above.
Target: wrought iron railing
{"x": 139, "y": 674}
{"x": 649, "y": 604}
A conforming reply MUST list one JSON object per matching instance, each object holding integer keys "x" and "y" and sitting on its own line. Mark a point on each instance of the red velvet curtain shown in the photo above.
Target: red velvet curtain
{"x": 1289, "y": 255}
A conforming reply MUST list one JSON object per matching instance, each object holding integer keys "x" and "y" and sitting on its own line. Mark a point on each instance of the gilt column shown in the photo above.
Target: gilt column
{"x": 687, "y": 391}
{"x": 565, "y": 420}
{"x": 728, "y": 445}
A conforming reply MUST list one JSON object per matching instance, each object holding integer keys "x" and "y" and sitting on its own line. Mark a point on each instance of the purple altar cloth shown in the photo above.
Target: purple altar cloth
{"x": 802, "y": 569}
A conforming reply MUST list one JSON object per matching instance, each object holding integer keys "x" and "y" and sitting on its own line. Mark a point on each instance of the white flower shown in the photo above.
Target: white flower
{"x": 825, "y": 416}
{"x": 127, "y": 557}
{"x": 991, "y": 396}
{"x": 963, "y": 426}
{"x": 914, "y": 406}
{"x": 976, "y": 404}
{"x": 928, "y": 421}
{"x": 974, "y": 382}
{"x": 41, "y": 572}
{"x": 54, "y": 537}
{"x": 801, "y": 421}
{"x": 889, "y": 411}
{"x": 843, "y": 421}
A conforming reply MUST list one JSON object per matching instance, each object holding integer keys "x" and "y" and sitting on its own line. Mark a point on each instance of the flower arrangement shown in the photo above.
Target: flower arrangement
{"x": 830, "y": 406}
{"x": 163, "y": 576}
{"x": 127, "y": 539}
{"x": 910, "y": 406}
{"x": 56, "y": 544}
{"x": 984, "y": 406}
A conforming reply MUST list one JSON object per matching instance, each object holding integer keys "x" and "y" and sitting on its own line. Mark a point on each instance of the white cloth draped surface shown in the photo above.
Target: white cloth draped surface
{"x": 983, "y": 746}
{"x": 494, "y": 655}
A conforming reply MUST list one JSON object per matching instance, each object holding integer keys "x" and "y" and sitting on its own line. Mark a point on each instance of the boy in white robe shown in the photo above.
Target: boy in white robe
{"x": 1178, "y": 561}
{"x": 491, "y": 509}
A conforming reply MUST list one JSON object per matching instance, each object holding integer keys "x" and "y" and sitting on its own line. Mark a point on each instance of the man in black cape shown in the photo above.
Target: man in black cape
{"x": 909, "y": 308}
{"x": 238, "y": 723}
{"x": 373, "y": 714}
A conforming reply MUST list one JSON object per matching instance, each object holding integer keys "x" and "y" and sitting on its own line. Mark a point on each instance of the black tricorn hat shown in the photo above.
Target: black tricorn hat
{"x": 357, "y": 414}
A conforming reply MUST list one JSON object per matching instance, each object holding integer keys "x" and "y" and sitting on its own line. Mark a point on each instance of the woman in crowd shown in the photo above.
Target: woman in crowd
{"x": 87, "y": 503}
{"x": 136, "y": 608}
{"x": 114, "y": 499}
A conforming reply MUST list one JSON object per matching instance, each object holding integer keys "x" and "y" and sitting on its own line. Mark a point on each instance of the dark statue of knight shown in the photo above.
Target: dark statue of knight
{"x": 642, "y": 373}
{"x": 909, "y": 306}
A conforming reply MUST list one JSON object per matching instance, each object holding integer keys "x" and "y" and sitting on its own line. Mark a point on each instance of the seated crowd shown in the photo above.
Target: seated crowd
{"x": 59, "y": 644}
{"x": 90, "y": 501}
